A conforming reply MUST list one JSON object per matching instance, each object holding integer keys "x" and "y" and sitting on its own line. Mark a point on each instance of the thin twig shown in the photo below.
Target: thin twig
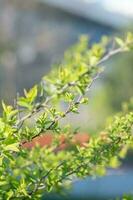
{"x": 37, "y": 185}
{"x": 65, "y": 87}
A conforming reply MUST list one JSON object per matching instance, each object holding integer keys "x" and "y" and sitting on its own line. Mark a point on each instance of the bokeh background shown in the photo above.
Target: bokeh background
{"x": 35, "y": 33}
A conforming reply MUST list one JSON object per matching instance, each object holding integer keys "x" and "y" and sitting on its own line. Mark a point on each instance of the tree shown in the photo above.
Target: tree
{"x": 27, "y": 174}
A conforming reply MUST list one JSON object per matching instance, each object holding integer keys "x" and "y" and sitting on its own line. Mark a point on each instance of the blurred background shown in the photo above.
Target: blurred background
{"x": 35, "y": 33}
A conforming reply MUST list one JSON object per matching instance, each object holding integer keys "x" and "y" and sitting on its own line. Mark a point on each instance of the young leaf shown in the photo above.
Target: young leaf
{"x": 12, "y": 147}
{"x": 119, "y": 41}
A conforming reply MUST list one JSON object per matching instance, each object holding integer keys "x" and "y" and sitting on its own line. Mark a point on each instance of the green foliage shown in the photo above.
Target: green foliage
{"x": 28, "y": 100}
{"x": 27, "y": 174}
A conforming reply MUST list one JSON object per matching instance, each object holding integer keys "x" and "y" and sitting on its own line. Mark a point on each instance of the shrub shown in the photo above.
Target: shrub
{"x": 27, "y": 174}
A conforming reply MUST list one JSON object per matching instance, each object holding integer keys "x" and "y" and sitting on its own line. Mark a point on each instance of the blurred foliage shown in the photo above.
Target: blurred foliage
{"x": 119, "y": 82}
{"x": 114, "y": 89}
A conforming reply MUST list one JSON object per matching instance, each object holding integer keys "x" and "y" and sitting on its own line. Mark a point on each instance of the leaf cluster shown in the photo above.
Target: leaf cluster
{"x": 27, "y": 174}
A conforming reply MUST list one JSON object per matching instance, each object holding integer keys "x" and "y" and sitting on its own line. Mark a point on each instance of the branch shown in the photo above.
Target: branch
{"x": 111, "y": 53}
{"x": 37, "y": 184}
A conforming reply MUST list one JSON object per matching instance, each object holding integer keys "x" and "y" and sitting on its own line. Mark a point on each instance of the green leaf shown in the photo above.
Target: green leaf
{"x": 7, "y": 108}
{"x": 69, "y": 96}
{"x": 3, "y": 183}
{"x": 93, "y": 60}
{"x": 129, "y": 38}
{"x": 23, "y": 102}
{"x": 10, "y": 194}
{"x": 84, "y": 100}
{"x": 1, "y": 160}
{"x": 31, "y": 94}
{"x": 119, "y": 41}
{"x": 4, "y": 106}
{"x": 74, "y": 109}
{"x": 12, "y": 147}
